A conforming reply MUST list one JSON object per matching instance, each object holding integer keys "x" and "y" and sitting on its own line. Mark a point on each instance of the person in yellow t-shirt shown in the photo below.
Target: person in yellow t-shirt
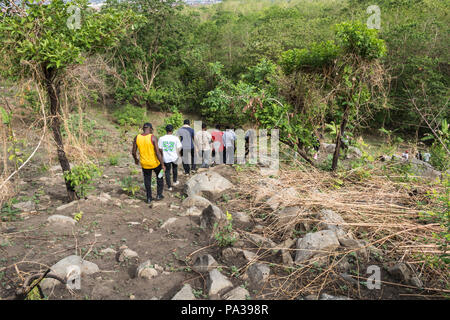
{"x": 150, "y": 159}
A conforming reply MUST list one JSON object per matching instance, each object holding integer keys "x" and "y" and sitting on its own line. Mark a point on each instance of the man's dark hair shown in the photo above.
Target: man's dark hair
{"x": 186, "y": 121}
{"x": 227, "y": 128}
{"x": 218, "y": 126}
{"x": 147, "y": 125}
{"x": 204, "y": 125}
{"x": 169, "y": 128}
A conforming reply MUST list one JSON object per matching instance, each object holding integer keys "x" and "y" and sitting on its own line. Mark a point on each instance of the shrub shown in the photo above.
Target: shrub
{"x": 224, "y": 235}
{"x": 176, "y": 120}
{"x": 129, "y": 185}
{"x": 130, "y": 115}
{"x": 80, "y": 178}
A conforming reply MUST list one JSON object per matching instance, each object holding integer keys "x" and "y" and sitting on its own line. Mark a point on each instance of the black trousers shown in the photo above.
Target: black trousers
{"x": 148, "y": 181}
{"x": 174, "y": 167}
{"x": 188, "y": 166}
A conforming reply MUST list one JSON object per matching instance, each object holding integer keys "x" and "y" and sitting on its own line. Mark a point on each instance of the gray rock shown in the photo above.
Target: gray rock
{"x": 258, "y": 273}
{"x": 233, "y": 253}
{"x": 315, "y": 244}
{"x": 146, "y": 270}
{"x": 423, "y": 169}
{"x": 168, "y": 222}
{"x": 196, "y": 201}
{"x": 64, "y": 266}
{"x": 285, "y": 196}
{"x": 108, "y": 251}
{"x": 358, "y": 245}
{"x": 325, "y": 296}
{"x": 260, "y": 240}
{"x": 241, "y": 217}
{"x": 415, "y": 281}
{"x": 237, "y": 293}
{"x": 61, "y": 220}
{"x": 353, "y": 153}
{"x": 204, "y": 263}
{"x": 66, "y": 206}
{"x": 27, "y": 206}
{"x": 210, "y": 183}
{"x": 332, "y": 221}
{"x": 401, "y": 272}
{"x": 210, "y": 216}
{"x": 185, "y": 293}
{"x": 217, "y": 283}
{"x": 126, "y": 253}
{"x": 328, "y": 147}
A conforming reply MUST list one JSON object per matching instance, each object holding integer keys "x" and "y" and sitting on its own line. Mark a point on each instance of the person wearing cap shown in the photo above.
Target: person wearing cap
{"x": 170, "y": 147}
{"x": 151, "y": 159}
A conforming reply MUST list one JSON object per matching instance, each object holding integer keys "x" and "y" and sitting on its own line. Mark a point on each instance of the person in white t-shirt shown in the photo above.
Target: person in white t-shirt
{"x": 170, "y": 147}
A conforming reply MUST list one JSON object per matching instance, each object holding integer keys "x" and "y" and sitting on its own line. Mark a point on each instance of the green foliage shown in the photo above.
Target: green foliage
{"x": 316, "y": 55}
{"x": 8, "y": 213}
{"x": 129, "y": 185}
{"x": 81, "y": 177}
{"x": 5, "y": 116}
{"x": 176, "y": 120}
{"x": 441, "y": 214}
{"x": 79, "y": 124}
{"x": 113, "y": 160}
{"x": 356, "y": 38}
{"x": 130, "y": 115}
{"x": 224, "y": 235}
{"x": 440, "y": 158}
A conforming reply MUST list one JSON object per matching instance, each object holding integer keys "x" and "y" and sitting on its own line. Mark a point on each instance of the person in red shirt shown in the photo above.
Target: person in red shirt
{"x": 217, "y": 137}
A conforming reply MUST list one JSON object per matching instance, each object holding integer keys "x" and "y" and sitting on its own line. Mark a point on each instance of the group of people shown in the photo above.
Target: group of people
{"x": 162, "y": 155}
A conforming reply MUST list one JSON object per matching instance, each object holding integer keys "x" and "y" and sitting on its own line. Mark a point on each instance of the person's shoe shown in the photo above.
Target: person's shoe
{"x": 170, "y": 189}
{"x": 176, "y": 183}
{"x": 159, "y": 197}
{"x": 149, "y": 200}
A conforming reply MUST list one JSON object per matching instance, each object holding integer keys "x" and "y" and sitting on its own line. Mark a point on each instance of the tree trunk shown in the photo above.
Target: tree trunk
{"x": 339, "y": 139}
{"x": 52, "y": 87}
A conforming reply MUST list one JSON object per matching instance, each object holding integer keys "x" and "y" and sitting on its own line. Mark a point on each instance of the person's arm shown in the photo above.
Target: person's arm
{"x": 158, "y": 152}
{"x": 134, "y": 151}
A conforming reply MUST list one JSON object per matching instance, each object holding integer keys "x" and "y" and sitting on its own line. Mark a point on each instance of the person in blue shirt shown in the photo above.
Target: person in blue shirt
{"x": 186, "y": 134}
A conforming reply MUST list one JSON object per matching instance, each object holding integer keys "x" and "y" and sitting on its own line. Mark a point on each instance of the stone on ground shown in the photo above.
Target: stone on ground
{"x": 204, "y": 263}
{"x": 315, "y": 244}
{"x": 63, "y": 267}
{"x": 217, "y": 283}
{"x": 196, "y": 201}
{"x": 126, "y": 253}
{"x": 27, "y": 206}
{"x": 185, "y": 293}
{"x": 284, "y": 196}
{"x": 210, "y": 183}
{"x": 210, "y": 216}
{"x": 258, "y": 273}
{"x": 146, "y": 270}
{"x": 333, "y": 221}
{"x": 237, "y": 293}
{"x": 61, "y": 220}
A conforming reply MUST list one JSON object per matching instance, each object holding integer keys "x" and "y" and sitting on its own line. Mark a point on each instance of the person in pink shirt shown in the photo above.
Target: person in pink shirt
{"x": 217, "y": 137}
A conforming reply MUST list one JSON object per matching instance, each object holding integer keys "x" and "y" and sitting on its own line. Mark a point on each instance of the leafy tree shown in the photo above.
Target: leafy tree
{"x": 43, "y": 40}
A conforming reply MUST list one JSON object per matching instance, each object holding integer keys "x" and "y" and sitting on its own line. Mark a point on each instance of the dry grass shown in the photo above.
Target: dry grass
{"x": 380, "y": 211}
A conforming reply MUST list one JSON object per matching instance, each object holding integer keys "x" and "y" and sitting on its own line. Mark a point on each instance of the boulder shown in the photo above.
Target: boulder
{"x": 146, "y": 270}
{"x": 284, "y": 196}
{"x": 403, "y": 273}
{"x": 258, "y": 273}
{"x": 210, "y": 183}
{"x": 204, "y": 263}
{"x": 185, "y": 293}
{"x": 260, "y": 240}
{"x": 66, "y": 206}
{"x": 424, "y": 169}
{"x": 353, "y": 153}
{"x": 61, "y": 220}
{"x": 358, "y": 245}
{"x": 315, "y": 244}
{"x": 241, "y": 217}
{"x": 234, "y": 253}
{"x": 64, "y": 267}
{"x": 27, "y": 206}
{"x": 217, "y": 283}
{"x": 237, "y": 293}
{"x": 332, "y": 221}
{"x": 126, "y": 253}
{"x": 210, "y": 216}
{"x": 328, "y": 147}
{"x": 196, "y": 201}
{"x": 168, "y": 222}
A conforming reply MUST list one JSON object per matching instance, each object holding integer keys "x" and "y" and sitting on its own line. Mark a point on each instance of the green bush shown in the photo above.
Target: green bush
{"x": 176, "y": 120}
{"x": 129, "y": 185}
{"x": 81, "y": 177}
{"x": 315, "y": 56}
{"x": 355, "y": 37}
{"x": 130, "y": 115}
